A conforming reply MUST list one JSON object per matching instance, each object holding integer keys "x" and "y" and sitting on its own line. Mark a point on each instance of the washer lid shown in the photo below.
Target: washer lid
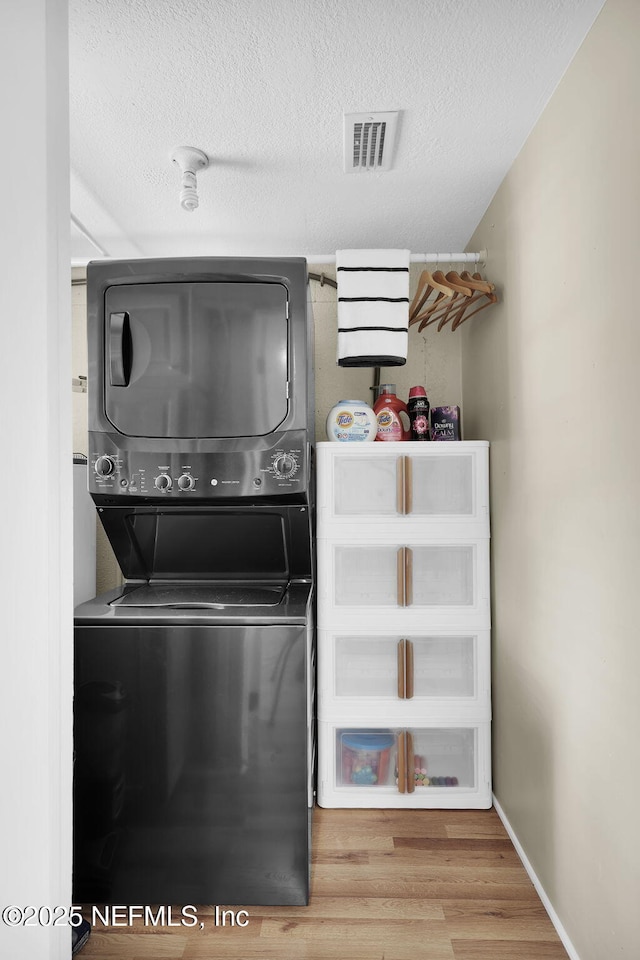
{"x": 187, "y": 544}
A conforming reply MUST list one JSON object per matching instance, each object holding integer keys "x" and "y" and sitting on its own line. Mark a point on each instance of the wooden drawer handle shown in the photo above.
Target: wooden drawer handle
{"x": 408, "y": 670}
{"x": 400, "y": 488}
{"x": 402, "y": 763}
{"x": 410, "y": 762}
{"x": 408, "y": 484}
{"x": 401, "y": 669}
{"x": 400, "y": 576}
{"x": 408, "y": 576}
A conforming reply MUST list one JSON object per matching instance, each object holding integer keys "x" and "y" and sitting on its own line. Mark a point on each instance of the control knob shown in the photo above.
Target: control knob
{"x": 186, "y": 482}
{"x": 163, "y": 482}
{"x": 104, "y": 466}
{"x": 285, "y": 465}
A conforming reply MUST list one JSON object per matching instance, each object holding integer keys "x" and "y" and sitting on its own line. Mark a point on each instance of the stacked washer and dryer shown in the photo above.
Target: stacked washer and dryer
{"x": 193, "y": 779}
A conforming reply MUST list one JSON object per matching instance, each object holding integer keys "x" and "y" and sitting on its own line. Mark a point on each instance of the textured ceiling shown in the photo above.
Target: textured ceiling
{"x": 261, "y": 86}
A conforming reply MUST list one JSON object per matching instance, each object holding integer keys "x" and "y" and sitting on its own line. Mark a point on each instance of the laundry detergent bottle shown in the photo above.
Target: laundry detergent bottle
{"x": 388, "y": 409}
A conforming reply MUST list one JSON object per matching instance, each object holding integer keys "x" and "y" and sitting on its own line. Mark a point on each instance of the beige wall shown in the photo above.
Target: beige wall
{"x": 551, "y": 378}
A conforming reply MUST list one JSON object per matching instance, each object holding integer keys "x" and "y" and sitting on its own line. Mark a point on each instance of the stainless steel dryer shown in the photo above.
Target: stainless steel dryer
{"x": 194, "y": 682}
{"x": 200, "y": 380}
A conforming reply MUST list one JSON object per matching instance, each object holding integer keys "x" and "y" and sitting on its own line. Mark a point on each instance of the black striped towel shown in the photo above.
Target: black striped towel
{"x": 373, "y": 307}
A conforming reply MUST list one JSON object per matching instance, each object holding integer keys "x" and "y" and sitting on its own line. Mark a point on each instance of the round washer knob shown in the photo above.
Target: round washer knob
{"x": 163, "y": 482}
{"x": 285, "y": 465}
{"x": 186, "y": 482}
{"x": 104, "y": 466}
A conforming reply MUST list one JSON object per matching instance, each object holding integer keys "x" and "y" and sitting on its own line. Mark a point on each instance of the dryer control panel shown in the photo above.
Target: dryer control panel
{"x": 198, "y": 476}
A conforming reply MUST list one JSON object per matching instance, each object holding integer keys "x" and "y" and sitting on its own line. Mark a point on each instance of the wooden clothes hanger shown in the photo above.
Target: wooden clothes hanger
{"x": 458, "y": 312}
{"x": 476, "y": 282}
{"x": 465, "y": 291}
{"x": 452, "y": 280}
{"x": 426, "y": 284}
{"x": 437, "y": 310}
{"x": 492, "y": 298}
{"x": 485, "y": 289}
{"x": 456, "y": 292}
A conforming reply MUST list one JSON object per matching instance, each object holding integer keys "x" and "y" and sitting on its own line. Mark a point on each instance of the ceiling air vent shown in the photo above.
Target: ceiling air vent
{"x": 368, "y": 140}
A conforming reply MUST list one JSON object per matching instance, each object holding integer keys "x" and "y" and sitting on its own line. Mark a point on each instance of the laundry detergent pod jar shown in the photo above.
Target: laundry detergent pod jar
{"x": 351, "y": 421}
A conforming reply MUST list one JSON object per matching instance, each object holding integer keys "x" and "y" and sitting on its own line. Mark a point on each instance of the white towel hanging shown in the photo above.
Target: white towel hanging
{"x": 373, "y": 307}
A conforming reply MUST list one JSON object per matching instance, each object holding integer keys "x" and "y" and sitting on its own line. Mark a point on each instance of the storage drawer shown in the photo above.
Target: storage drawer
{"x": 436, "y": 484}
{"x": 448, "y": 579}
{"x": 366, "y": 674}
{"x": 424, "y": 765}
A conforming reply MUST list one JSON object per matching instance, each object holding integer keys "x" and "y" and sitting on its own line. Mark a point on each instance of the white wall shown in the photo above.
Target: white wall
{"x": 551, "y": 378}
{"x": 35, "y": 380}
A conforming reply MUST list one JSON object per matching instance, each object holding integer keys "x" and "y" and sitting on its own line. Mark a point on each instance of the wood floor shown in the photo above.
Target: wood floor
{"x": 386, "y": 885}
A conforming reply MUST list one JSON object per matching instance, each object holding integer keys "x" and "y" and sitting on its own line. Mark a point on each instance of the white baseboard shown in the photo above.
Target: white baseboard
{"x": 553, "y": 916}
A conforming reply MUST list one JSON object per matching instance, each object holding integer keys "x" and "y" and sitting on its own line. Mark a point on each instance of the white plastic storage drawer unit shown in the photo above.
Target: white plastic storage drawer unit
{"x": 418, "y": 765}
{"x": 446, "y": 580}
{"x": 444, "y": 672}
{"x": 404, "y": 704}
{"x": 442, "y": 485}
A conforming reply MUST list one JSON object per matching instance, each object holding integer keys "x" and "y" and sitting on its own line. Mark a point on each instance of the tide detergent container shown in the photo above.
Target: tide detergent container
{"x": 387, "y": 409}
{"x": 351, "y": 420}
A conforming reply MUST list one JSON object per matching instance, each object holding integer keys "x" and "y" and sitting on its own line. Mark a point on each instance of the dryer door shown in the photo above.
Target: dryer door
{"x": 197, "y": 359}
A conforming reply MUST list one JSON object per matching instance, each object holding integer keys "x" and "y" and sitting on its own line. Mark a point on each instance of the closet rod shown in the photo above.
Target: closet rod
{"x": 478, "y": 257}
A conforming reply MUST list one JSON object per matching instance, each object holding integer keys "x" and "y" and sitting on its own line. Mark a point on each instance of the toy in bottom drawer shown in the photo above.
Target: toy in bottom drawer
{"x": 442, "y": 757}
{"x": 422, "y": 779}
{"x": 365, "y": 756}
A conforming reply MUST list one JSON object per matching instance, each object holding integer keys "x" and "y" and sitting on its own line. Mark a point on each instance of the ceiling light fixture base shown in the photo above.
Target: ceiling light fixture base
{"x": 189, "y": 160}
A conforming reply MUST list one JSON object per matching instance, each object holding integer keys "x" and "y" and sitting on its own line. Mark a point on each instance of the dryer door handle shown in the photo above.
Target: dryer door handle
{"x": 119, "y": 341}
